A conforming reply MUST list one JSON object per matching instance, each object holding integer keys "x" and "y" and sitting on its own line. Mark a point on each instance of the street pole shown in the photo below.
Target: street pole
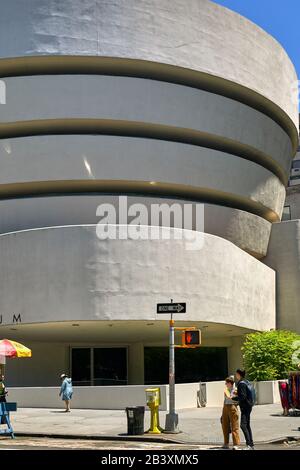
{"x": 171, "y": 418}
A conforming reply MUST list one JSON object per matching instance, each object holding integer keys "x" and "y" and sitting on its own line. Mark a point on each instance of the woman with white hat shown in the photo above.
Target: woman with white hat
{"x": 66, "y": 391}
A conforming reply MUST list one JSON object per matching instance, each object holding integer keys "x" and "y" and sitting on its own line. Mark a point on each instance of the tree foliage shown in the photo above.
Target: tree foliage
{"x": 270, "y": 355}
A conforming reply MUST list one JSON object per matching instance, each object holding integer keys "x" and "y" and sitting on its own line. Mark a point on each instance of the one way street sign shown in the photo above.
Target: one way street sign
{"x": 179, "y": 307}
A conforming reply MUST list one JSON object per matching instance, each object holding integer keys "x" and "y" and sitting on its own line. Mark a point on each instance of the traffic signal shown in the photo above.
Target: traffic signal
{"x": 191, "y": 338}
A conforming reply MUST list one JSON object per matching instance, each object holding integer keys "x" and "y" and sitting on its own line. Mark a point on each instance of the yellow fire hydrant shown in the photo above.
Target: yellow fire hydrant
{"x": 153, "y": 401}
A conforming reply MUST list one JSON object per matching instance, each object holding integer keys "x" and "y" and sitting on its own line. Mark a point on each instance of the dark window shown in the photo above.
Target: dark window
{"x": 99, "y": 366}
{"x": 286, "y": 213}
{"x": 296, "y": 164}
{"x": 191, "y": 365}
{"x": 110, "y": 366}
{"x": 81, "y": 366}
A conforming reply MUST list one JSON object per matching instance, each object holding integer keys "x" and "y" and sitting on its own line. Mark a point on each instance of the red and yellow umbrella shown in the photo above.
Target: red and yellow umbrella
{"x": 10, "y": 348}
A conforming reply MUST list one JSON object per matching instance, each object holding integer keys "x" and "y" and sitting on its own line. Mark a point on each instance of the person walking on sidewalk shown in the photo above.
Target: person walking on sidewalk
{"x": 66, "y": 391}
{"x": 230, "y": 416}
{"x": 3, "y": 394}
{"x": 3, "y": 391}
{"x": 246, "y": 401}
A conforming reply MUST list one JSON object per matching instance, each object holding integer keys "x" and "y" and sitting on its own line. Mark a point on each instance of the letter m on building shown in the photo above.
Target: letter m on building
{"x": 17, "y": 319}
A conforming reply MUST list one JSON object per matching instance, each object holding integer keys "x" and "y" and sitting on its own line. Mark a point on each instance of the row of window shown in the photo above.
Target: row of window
{"x": 109, "y": 366}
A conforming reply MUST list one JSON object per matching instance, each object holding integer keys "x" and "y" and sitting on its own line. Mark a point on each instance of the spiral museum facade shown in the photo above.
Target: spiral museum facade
{"x": 164, "y": 102}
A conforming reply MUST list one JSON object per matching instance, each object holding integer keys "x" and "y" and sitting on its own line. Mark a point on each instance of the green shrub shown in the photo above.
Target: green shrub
{"x": 268, "y": 355}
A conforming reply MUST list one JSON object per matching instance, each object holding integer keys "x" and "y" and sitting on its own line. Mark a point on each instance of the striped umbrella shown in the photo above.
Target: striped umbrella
{"x": 10, "y": 348}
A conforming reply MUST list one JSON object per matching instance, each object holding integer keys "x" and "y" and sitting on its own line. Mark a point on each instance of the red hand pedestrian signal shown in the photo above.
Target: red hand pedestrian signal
{"x": 188, "y": 338}
{"x": 192, "y": 338}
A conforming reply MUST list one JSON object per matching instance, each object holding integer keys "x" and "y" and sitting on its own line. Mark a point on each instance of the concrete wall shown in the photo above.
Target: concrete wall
{"x": 267, "y": 392}
{"x": 248, "y": 231}
{"x": 120, "y": 397}
{"x": 234, "y": 354}
{"x": 115, "y": 158}
{"x": 185, "y": 395}
{"x": 215, "y": 393}
{"x": 48, "y": 361}
{"x": 103, "y": 397}
{"x": 176, "y": 112}
{"x": 107, "y": 398}
{"x": 284, "y": 257}
{"x": 76, "y": 276}
{"x": 201, "y": 35}
{"x": 142, "y": 100}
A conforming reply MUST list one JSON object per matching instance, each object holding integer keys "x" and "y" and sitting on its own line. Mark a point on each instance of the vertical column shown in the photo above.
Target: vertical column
{"x": 235, "y": 358}
{"x": 171, "y": 417}
{"x": 136, "y": 364}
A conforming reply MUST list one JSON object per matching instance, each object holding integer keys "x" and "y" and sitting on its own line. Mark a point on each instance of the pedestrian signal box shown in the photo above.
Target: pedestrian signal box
{"x": 191, "y": 338}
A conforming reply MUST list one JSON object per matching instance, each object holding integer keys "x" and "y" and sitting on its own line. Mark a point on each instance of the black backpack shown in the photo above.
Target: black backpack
{"x": 251, "y": 394}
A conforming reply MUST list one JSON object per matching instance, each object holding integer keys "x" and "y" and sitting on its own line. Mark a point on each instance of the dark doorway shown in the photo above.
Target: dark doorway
{"x": 81, "y": 366}
{"x": 192, "y": 365}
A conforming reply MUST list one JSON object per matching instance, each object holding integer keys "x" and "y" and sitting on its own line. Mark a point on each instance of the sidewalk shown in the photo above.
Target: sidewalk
{"x": 200, "y": 425}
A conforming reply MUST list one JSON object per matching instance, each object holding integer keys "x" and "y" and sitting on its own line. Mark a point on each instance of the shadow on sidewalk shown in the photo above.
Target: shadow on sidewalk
{"x": 61, "y": 411}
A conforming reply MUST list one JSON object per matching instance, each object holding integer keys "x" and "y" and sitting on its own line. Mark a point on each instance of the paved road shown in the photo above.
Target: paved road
{"x": 26, "y": 443}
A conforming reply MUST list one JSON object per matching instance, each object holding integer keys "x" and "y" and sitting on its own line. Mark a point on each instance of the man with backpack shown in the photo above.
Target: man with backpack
{"x": 246, "y": 398}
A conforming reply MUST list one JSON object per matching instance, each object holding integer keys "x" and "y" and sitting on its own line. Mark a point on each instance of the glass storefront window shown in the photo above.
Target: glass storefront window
{"x": 192, "y": 365}
{"x": 110, "y": 366}
{"x": 99, "y": 366}
{"x": 81, "y": 366}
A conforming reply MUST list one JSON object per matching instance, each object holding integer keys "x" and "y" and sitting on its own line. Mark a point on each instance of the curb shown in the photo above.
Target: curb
{"x": 144, "y": 438}
{"x": 93, "y": 437}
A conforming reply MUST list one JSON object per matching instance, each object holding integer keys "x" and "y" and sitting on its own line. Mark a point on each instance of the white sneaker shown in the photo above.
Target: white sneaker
{"x": 248, "y": 448}
{"x": 236, "y": 448}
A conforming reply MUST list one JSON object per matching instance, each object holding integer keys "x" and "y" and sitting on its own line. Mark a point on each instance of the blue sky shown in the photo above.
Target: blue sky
{"x": 280, "y": 18}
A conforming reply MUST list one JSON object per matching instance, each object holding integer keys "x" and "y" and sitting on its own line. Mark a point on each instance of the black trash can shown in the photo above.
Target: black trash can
{"x": 135, "y": 420}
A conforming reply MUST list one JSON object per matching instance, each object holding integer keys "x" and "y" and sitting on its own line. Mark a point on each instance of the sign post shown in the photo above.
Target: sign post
{"x": 172, "y": 417}
{"x": 191, "y": 338}
{"x": 171, "y": 425}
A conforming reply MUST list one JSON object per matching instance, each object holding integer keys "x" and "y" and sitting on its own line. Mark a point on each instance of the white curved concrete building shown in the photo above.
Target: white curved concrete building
{"x": 162, "y": 102}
